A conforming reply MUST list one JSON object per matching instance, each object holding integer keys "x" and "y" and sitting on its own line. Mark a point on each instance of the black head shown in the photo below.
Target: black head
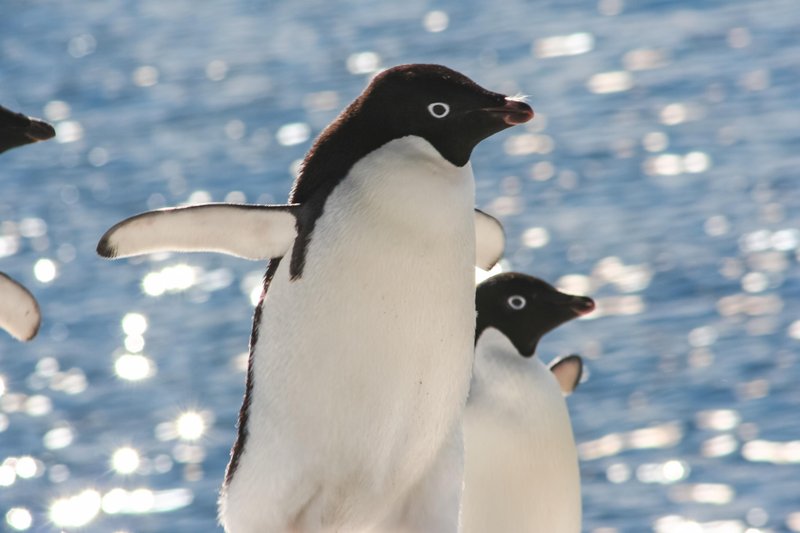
{"x": 16, "y": 129}
{"x": 524, "y": 308}
{"x": 436, "y": 103}
{"x": 446, "y": 108}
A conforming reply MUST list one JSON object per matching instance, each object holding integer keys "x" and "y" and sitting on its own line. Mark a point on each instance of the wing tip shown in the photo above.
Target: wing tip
{"x": 105, "y": 248}
{"x": 575, "y": 361}
{"x": 33, "y": 314}
{"x": 34, "y": 330}
{"x": 501, "y": 240}
{"x": 492, "y": 262}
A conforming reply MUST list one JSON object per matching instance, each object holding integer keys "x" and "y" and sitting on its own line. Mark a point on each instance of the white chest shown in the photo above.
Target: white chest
{"x": 363, "y": 363}
{"x": 521, "y": 464}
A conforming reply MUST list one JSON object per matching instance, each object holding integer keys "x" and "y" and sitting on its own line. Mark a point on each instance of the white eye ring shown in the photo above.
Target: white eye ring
{"x": 439, "y": 109}
{"x": 517, "y": 302}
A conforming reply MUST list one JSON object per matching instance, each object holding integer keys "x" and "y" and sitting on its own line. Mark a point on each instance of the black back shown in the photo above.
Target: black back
{"x": 16, "y": 130}
{"x": 524, "y": 308}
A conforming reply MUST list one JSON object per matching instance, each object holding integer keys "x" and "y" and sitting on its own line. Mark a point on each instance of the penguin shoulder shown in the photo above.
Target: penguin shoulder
{"x": 505, "y": 381}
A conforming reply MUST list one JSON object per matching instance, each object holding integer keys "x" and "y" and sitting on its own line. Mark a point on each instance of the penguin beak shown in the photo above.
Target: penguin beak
{"x": 513, "y": 112}
{"x": 581, "y": 305}
{"x": 40, "y": 130}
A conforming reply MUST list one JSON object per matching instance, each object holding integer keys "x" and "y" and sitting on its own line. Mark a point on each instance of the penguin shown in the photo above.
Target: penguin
{"x": 19, "y": 311}
{"x": 361, "y": 350}
{"x": 17, "y": 129}
{"x": 521, "y": 464}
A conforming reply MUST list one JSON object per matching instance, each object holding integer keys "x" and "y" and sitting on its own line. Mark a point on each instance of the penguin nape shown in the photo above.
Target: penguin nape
{"x": 361, "y": 350}
{"x": 521, "y": 464}
{"x": 19, "y": 311}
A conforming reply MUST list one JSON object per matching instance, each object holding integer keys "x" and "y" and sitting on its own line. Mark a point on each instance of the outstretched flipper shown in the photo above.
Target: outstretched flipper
{"x": 17, "y": 129}
{"x": 490, "y": 240}
{"x": 254, "y": 232}
{"x": 19, "y": 312}
{"x": 250, "y": 231}
{"x": 568, "y": 371}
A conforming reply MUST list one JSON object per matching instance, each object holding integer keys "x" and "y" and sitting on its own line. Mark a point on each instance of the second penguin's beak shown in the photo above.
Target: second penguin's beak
{"x": 39, "y": 130}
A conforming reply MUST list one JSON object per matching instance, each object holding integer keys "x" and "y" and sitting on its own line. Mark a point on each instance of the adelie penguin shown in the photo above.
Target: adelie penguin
{"x": 19, "y": 312}
{"x": 361, "y": 351}
{"x": 521, "y": 464}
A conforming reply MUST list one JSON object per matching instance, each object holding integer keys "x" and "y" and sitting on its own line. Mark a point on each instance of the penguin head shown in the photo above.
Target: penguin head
{"x": 524, "y": 308}
{"x": 442, "y": 106}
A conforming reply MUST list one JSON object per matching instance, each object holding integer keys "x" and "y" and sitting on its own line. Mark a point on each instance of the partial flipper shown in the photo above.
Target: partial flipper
{"x": 17, "y": 129}
{"x": 253, "y": 232}
{"x": 250, "y": 231}
{"x": 490, "y": 240}
{"x": 568, "y": 371}
{"x": 19, "y": 312}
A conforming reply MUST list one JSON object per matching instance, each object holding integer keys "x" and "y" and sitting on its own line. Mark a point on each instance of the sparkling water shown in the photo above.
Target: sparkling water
{"x": 660, "y": 176}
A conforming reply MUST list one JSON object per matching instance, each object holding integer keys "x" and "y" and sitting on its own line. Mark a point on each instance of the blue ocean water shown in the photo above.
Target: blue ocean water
{"x": 659, "y": 176}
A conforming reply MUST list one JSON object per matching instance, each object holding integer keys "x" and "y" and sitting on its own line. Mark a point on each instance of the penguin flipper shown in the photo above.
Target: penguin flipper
{"x": 568, "y": 371}
{"x": 250, "y": 231}
{"x": 19, "y": 312}
{"x": 17, "y": 129}
{"x": 490, "y": 240}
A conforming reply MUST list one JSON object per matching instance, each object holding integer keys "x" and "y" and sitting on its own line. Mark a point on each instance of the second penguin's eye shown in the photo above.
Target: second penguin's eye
{"x": 439, "y": 109}
{"x": 516, "y": 302}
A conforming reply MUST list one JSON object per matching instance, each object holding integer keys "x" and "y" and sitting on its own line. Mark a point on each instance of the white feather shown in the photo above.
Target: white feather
{"x": 519, "y": 97}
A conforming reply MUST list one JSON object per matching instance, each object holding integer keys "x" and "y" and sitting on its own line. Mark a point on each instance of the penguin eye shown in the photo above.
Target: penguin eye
{"x": 516, "y": 302}
{"x": 439, "y": 109}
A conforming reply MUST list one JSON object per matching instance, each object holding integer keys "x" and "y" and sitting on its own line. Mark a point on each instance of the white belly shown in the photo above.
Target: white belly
{"x": 362, "y": 365}
{"x": 521, "y": 465}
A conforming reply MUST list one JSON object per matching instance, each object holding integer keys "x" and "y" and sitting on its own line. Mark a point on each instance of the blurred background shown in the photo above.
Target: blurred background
{"x": 659, "y": 176}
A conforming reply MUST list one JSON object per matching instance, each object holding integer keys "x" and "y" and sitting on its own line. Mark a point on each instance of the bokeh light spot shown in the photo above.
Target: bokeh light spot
{"x": 125, "y": 460}
{"x": 134, "y": 367}
{"x": 19, "y": 518}
{"x": 190, "y": 425}
{"x": 45, "y": 270}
